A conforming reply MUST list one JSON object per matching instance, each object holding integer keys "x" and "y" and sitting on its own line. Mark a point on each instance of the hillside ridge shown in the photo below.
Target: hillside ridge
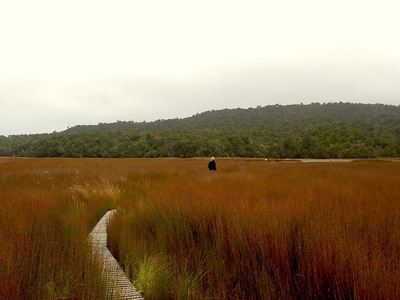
{"x": 328, "y": 130}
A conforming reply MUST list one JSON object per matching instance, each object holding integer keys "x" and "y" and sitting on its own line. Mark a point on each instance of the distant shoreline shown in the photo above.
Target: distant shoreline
{"x": 304, "y": 160}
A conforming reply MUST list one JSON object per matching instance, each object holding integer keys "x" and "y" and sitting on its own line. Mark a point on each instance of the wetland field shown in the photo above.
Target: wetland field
{"x": 254, "y": 229}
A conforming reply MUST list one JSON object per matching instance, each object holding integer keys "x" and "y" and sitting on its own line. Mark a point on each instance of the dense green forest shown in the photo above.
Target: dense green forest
{"x": 331, "y": 130}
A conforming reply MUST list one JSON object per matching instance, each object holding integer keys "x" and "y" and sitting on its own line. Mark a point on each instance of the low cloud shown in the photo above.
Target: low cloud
{"x": 34, "y": 106}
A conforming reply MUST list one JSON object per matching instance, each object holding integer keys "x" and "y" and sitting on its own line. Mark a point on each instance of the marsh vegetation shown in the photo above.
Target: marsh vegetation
{"x": 251, "y": 230}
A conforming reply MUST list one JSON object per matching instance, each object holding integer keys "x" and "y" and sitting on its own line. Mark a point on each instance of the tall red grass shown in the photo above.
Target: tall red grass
{"x": 259, "y": 230}
{"x": 47, "y": 209}
{"x": 251, "y": 230}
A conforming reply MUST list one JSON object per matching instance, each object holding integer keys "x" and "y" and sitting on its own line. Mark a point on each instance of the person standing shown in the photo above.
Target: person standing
{"x": 211, "y": 165}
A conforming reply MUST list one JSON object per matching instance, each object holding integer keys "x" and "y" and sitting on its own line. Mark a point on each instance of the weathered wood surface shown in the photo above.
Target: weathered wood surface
{"x": 117, "y": 284}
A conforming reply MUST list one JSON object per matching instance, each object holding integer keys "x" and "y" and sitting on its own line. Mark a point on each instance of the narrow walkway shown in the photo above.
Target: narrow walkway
{"x": 117, "y": 284}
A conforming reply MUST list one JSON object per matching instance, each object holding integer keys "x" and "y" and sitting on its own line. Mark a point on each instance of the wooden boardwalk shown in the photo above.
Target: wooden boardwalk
{"x": 117, "y": 284}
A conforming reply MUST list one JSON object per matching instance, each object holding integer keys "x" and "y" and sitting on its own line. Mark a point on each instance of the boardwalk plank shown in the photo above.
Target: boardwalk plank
{"x": 117, "y": 284}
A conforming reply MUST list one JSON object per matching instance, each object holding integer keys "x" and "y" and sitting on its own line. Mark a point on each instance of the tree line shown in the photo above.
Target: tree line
{"x": 330, "y": 130}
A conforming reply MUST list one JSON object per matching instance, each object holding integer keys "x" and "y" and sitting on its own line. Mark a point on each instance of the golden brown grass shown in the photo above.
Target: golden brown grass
{"x": 251, "y": 230}
{"x": 47, "y": 208}
{"x": 259, "y": 230}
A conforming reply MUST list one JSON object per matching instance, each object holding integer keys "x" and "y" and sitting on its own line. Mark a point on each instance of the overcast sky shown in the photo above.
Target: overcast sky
{"x": 64, "y": 63}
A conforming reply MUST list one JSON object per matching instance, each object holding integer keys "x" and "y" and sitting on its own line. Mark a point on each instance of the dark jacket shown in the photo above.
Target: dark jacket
{"x": 212, "y": 166}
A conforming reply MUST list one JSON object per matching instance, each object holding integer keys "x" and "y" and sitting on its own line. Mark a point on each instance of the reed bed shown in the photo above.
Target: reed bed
{"x": 261, "y": 230}
{"x": 251, "y": 230}
{"x": 47, "y": 209}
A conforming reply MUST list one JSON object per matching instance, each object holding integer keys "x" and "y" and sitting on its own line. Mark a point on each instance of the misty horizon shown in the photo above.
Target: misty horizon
{"x": 91, "y": 62}
{"x": 190, "y": 116}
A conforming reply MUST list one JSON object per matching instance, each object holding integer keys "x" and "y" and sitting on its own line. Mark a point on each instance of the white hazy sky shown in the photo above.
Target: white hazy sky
{"x": 64, "y": 63}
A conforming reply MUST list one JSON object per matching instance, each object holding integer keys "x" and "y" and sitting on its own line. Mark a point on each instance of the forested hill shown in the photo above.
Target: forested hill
{"x": 332, "y": 130}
